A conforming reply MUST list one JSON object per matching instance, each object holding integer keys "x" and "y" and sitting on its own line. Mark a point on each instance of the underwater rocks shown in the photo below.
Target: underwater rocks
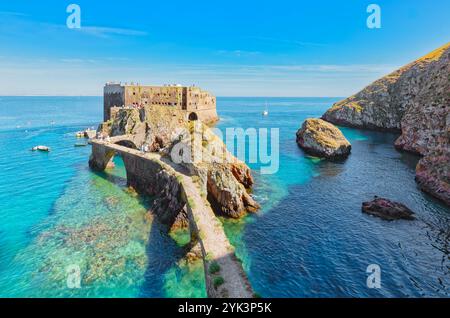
{"x": 387, "y": 210}
{"x": 104, "y": 249}
{"x": 322, "y": 139}
{"x": 415, "y": 101}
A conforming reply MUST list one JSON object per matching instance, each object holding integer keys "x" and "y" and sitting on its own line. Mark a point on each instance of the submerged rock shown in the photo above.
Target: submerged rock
{"x": 415, "y": 101}
{"x": 387, "y": 210}
{"x": 320, "y": 138}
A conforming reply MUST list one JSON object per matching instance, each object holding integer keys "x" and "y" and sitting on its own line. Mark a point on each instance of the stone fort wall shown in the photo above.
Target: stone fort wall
{"x": 194, "y": 102}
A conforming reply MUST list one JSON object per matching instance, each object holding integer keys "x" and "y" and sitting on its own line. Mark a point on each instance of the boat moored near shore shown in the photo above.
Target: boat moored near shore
{"x": 41, "y": 148}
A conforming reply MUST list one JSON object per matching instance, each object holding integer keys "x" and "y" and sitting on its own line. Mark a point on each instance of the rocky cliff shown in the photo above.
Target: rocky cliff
{"x": 414, "y": 100}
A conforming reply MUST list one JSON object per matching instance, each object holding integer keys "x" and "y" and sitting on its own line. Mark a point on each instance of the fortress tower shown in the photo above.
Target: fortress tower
{"x": 193, "y": 101}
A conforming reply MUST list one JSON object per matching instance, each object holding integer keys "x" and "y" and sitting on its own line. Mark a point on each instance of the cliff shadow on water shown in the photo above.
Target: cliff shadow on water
{"x": 168, "y": 272}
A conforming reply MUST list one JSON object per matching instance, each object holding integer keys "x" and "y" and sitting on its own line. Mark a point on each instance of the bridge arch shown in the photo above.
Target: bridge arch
{"x": 126, "y": 143}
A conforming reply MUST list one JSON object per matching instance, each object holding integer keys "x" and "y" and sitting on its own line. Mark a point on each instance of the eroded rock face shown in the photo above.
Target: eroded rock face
{"x": 155, "y": 125}
{"x": 225, "y": 179}
{"x": 414, "y": 100}
{"x": 320, "y": 138}
{"x": 383, "y": 104}
{"x": 228, "y": 196}
{"x": 387, "y": 210}
{"x": 433, "y": 175}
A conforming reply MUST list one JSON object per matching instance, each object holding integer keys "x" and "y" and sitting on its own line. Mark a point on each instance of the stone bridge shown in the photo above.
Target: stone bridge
{"x": 152, "y": 174}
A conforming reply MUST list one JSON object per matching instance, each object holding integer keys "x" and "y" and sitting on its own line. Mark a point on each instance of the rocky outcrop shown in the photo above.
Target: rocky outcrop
{"x": 155, "y": 125}
{"x": 223, "y": 179}
{"x": 433, "y": 175}
{"x": 320, "y": 138}
{"x": 414, "y": 100}
{"x": 226, "y": 180}
{"x": 228, "y": 197}
{"x": 387, "y": 210}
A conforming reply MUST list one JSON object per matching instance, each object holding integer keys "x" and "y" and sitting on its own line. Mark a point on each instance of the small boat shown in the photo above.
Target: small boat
{"x": 41, "y": 148}
{"x": 80, "y": 145}
{"x": 266, "y": 111}
{"x": 90, "y": 133}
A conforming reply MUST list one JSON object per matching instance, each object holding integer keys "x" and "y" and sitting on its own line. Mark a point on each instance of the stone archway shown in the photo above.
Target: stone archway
{"x": 193, "y": 116}
{"x": 127, "y": 143}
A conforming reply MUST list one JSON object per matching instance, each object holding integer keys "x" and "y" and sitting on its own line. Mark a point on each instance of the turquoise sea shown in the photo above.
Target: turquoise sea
{"x": 309, "y": 240}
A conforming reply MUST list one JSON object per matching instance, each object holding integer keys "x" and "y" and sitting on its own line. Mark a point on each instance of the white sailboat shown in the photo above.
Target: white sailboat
{"x": 266, "y": 111}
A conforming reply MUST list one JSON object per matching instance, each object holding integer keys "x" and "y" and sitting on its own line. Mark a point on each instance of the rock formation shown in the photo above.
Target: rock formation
{"x": 153, "y": 125}
{"x": 387, "y": 210}
{"x": 222, "y": 179}
{"x": 225, "y": 179}
{"x": 320, "y": 138}
{"x": 414, "y": 100}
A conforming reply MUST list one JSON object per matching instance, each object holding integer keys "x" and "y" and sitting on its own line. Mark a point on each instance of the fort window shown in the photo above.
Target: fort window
{"x": 193, "y": 116}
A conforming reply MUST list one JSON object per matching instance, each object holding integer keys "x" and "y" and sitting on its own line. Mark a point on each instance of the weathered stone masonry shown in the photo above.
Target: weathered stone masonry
{"x": 193, "y": 102}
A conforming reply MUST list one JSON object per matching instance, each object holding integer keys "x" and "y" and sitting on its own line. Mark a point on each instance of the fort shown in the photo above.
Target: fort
{"x": 188, "y": 194}
{"x": 191, "y": 101}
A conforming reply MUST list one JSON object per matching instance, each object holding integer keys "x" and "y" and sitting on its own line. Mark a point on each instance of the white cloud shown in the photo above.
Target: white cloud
{"x": 77, "y": 76}
{"x": 292, "y": 42}
{"x": 16, "y": 24}
{"x": 238, "y": 53}
{"x": 16, "y": 14}
{"x": 107, "y": 31}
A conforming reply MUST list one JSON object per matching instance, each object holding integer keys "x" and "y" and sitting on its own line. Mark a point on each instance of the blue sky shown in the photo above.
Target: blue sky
{"x": 232, "y": 48}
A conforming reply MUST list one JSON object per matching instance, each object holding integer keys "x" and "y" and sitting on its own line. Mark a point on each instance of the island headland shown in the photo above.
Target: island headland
{"x": 171, "y": 154}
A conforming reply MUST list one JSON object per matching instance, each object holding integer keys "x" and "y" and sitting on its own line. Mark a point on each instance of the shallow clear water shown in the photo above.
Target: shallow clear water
{"x": 309, "y": 240}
